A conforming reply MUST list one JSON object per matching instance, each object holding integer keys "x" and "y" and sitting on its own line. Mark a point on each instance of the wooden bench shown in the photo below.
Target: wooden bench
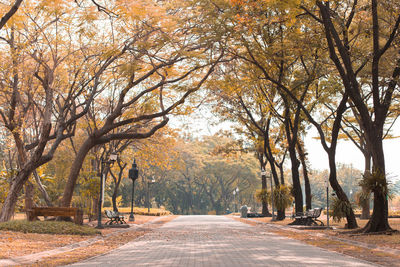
{"x": 114, "y": 217}
{"x": 56, "y": 211}
{"x": 310, "y": 217}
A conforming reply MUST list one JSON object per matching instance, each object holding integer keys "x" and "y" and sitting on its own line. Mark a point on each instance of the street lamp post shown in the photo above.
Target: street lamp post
{"x": 113, "y": 157}
{"x": 327, "y": 202}
{"x": 272, "y": 198}
{"x": 149, "y": 182}
{"x": 235, "y": 199}
{"x": 133, "y": 175}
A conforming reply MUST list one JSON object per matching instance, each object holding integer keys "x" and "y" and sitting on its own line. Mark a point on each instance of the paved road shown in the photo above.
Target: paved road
{"x": 217, "y": 241}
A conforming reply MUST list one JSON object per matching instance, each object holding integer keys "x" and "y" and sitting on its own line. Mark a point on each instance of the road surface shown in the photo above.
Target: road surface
{"x": 218, "y": 241}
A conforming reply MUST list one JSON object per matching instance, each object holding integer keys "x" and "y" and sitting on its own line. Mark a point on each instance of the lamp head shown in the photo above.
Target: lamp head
{"x": 134, "y": 171}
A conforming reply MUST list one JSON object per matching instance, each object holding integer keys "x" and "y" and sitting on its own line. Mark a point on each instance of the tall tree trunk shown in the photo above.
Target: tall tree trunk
{"x": 298, "y": 195}
{"x": 17, "y": 183}
{"x": 307, "y": 186}
{"x": 365, "y": 205}
{"x": 114, "y": 199}
{"x": 29, "y": 194}
{"x": 379, "y": 219}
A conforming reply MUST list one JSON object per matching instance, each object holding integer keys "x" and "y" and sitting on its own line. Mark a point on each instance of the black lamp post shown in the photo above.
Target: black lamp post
{"x": 113, "y": 157}
{"x": 133, "y": 175}
{"x": 235, "y": 195}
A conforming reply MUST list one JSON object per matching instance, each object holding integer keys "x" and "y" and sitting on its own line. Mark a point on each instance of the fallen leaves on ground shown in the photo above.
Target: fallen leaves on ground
{"x": 371, "y": 255}
{"x": 107, "y": 244}
{"x": 15, "y": 244}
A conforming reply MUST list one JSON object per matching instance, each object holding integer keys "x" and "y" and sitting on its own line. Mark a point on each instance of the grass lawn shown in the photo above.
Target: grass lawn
{"x": 48, "y": 227}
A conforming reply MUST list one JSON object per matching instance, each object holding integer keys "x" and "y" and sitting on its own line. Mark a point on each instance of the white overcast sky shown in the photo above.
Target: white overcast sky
{"x": 202, "y": 122}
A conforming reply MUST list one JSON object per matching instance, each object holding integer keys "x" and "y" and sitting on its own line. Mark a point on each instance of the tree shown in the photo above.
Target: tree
{"x": 303, "y": 74}
{"x": 163, "y": 66}
{"x": 345, "y": 26}
{"x": 48, "y": 85}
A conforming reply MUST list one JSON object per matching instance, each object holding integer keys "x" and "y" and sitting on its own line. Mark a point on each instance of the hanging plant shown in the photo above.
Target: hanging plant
{"x": 339, "y": 209}
{"x": 374, "y": 182}
{"x": 282, "y": 197}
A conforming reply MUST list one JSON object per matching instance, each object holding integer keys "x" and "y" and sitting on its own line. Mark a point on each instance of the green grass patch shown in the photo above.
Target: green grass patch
{"x": 48, "y": 227}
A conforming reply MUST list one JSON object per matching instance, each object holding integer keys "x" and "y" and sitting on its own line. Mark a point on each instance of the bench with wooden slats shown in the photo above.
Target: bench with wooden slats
{"x": 56, "y": 212}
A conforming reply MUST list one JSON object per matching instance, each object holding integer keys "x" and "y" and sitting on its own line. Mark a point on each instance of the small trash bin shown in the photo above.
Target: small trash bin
{"x": 243, "y": 211}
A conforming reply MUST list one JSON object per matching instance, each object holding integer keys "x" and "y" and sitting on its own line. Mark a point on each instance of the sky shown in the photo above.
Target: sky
{"x": 348, "y": 153}
{"x": 202, "y": 122}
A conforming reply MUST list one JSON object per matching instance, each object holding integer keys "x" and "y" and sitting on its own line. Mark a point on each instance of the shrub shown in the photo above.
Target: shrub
{"x": 48, "y": 227}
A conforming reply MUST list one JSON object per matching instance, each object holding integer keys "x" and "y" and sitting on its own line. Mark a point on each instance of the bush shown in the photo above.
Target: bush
{"x": 48, "y": 227}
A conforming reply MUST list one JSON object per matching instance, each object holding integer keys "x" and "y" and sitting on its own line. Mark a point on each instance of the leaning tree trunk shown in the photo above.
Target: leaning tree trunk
{"x": 281, "y": 210}
{"x": 17, "y": 183}
{"x": 351, "y": 218}
{"x": 74, "y": 172}
{"x": 307, "y": 186}
{"x": 29, "y": 203}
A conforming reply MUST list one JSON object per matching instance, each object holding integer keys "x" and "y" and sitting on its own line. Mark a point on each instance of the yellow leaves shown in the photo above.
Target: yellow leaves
{"x": 90, "y": 14}
{"x": 53, "y": 7}
{"x": 139, "y": 10}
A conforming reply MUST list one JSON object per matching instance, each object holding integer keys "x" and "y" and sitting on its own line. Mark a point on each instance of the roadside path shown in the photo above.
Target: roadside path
{"x": 217, "y": 241}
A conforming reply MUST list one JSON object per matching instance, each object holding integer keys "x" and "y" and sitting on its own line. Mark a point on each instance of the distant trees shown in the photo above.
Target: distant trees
{"x": 206, "y": 178}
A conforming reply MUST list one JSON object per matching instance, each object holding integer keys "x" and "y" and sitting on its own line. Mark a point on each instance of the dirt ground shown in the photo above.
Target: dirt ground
{"x": 15, "y": 244}
{"x": 391, "y": 241}
{"x": 319, "y": 238}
